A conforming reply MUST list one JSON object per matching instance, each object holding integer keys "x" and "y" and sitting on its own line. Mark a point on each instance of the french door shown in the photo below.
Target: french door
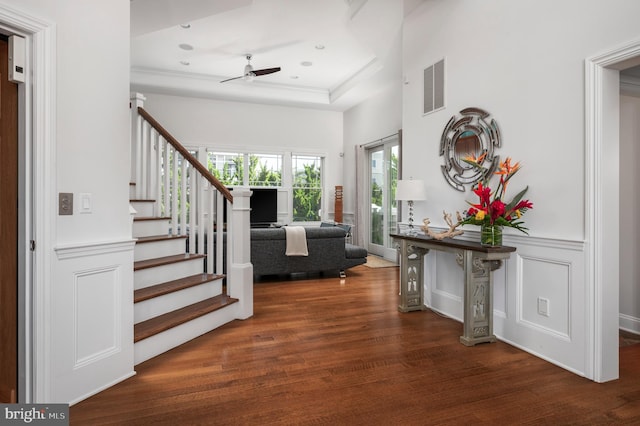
{"x": 383, "y": 161}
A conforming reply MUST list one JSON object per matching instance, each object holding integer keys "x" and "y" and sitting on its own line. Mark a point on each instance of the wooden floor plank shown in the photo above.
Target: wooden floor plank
{"x": 325, "y": 351}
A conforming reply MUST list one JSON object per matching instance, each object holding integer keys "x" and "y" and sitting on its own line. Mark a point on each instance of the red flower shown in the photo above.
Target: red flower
{"x": 524, "y": 204}
{"x": 497, "y": 209}
{"x": 484, "y": 193}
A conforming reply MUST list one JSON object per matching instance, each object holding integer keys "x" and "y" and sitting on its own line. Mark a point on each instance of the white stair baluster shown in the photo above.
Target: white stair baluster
{"x": 173, "y": 191}
{"x": 166, "y": 168}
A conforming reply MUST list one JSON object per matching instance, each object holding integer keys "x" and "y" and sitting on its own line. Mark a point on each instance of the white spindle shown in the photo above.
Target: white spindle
{"x": 193, "y": 208}
{"x": 219, "y": 232}
{"x": 158, "y": 176}
{"x": 183, "y": 197}
{"x": 174, "y": 194}
{"x": 145, "y": 161}
{"x": 211, "y": 193}
{"x": 229, "y": 242}
{"x": 167, "y": 172}
{"x": 201, "y": 213}
{"x": 139, "y": 159}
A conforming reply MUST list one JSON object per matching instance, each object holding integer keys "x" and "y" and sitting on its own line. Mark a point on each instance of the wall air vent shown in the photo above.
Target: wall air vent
{"x": 434, "y": 87}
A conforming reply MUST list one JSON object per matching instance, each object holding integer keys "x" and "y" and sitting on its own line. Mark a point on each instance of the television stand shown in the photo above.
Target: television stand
{"x": 260, "y": 225}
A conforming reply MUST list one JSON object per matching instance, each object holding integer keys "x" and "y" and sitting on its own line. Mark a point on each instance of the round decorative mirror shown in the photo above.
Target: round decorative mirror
{"x": 475, "y": 134}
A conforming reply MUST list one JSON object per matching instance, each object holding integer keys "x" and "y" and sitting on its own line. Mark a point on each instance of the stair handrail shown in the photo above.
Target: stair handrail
{"x": 186, "y": 154}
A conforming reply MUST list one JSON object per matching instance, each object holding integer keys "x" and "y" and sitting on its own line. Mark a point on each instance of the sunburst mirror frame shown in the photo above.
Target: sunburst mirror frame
{"x": 472, "y": 133}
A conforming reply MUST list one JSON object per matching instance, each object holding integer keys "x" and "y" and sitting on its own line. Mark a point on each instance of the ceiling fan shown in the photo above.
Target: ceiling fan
{"x": 250, "y": 73}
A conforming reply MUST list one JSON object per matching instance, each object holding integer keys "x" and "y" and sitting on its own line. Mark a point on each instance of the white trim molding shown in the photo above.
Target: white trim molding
{"x": 37, "y": 133}
{"x": 601, "y": 124}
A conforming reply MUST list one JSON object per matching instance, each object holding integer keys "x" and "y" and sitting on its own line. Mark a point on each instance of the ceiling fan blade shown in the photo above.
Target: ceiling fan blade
{"x": 234, "y": 78}
{"x": 266, "y": 71}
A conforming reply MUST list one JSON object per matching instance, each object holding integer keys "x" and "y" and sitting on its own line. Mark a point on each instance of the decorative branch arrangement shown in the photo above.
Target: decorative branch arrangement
{"x": 451, "y": 232}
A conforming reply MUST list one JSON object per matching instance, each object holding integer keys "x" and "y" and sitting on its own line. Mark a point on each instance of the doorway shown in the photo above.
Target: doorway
{"x": 383, "y": 159}
{"x": 8, "y": 231}
{"x": 602, "y": 76}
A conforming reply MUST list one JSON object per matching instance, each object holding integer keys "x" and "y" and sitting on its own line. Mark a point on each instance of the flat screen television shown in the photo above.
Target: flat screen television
{"x": 264, "y": 207}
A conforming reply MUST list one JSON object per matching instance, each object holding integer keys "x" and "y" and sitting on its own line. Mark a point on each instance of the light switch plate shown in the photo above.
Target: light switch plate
{"x": 85, "y": 200}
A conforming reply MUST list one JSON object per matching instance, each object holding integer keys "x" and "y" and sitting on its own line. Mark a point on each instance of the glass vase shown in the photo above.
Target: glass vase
{"x": 491, "y": 235}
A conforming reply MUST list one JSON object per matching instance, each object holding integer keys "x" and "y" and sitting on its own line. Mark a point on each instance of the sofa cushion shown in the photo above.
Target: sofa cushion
{"x": 354, "y": 252}
{"x": 312, "y": 233}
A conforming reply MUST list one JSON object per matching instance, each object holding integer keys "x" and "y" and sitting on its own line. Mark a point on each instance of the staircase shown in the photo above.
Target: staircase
{"x": 179, "y": 290}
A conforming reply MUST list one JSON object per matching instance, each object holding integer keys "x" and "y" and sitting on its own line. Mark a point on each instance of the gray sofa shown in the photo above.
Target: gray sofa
{"x": 327, "y": 248}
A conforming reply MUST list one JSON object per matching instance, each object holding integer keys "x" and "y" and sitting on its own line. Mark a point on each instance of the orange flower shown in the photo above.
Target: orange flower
{"x": 471, "y": 158}
{"x": 505, "y": 172}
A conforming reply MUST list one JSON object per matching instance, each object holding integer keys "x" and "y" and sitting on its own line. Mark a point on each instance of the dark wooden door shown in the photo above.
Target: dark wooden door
{"x": 8, "y": 231}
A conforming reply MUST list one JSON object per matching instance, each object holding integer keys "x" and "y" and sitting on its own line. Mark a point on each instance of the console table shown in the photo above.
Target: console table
{"x": 477, "y": 261}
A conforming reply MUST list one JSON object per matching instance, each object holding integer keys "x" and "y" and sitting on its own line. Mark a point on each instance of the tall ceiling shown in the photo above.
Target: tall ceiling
{"x": 332, "y": 53}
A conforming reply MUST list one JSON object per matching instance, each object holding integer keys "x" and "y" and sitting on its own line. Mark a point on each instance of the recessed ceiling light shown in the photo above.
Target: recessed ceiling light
{"x": 185, "y": 26}
{"x": 185, "y": 63}
{"x": 185, "y": 46}
{"x": 306, "y": 63}
{"x": 293, "y": 77}
{"x": 319, "y": 46}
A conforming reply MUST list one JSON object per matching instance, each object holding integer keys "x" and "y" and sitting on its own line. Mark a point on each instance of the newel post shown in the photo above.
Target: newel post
{"x": 136, "y": 100}
{"x": 241, "y": 270}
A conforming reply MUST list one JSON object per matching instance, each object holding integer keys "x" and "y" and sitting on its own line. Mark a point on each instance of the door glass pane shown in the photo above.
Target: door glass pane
{"x": 377, "y": 185}
{"x": 383, "y": 214}
{"x": 392, "y": 184}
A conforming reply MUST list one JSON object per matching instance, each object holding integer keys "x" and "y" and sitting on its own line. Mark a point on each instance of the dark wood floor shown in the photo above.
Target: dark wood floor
{"x": 325, "y": 352}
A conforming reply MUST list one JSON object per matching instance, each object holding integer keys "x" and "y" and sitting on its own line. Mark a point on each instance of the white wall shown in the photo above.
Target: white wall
{"x": 629, "y": 207}
{"x": 523, "y": 63}
{"x": 259, "y": 128}
{"x": 92, "y": 114}
{"x": 374, "y": 119}
{"x": 82, "y": 257}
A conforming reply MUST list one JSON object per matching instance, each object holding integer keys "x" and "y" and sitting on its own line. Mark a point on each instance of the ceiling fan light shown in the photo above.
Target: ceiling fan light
{"x": 248, "y": 77}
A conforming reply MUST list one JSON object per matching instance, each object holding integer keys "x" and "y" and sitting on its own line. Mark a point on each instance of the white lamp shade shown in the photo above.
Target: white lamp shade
{"x": 410, "y": 190}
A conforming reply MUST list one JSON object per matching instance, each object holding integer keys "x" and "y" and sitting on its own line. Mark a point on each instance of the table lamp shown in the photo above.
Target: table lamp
{"x": 410, "y": 190}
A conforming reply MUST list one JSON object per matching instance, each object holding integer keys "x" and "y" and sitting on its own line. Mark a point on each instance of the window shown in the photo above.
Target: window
{"x": 307, "y": 187}
{"x": 265, "y": 170}
{"x": 226, "y": 167}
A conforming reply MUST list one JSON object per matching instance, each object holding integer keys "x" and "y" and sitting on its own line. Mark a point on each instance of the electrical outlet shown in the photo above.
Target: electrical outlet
{"x": 543, "y": 306}
{"x": 65, "y": 203}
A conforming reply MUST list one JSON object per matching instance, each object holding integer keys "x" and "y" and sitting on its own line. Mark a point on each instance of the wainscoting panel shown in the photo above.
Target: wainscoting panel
{"x": 97, "y": 306}
{"x": 539, "y": 297}
{"x": 445, "y": 283}
{"x": 543, "y": 281}
{"x": 91, "y": 320}
{"x": 546, "y": 299}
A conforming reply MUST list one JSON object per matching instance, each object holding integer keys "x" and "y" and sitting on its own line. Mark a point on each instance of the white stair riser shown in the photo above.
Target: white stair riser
{"x": 144, "y": 208}
{"x": 132, "y": 192}
{"x": 148, "y": 228}
{"x": 160, "y": 274}
{"x": 160, "y": 248}
{"x": 179, "y": 299}
{"x": 162, "y": 342}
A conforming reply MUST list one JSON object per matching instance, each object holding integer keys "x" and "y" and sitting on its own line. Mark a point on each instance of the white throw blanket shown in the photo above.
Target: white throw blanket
{"x": 296, "y": 241}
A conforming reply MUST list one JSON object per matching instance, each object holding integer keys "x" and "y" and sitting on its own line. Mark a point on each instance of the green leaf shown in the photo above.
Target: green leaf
{"x": 516, "y": 200}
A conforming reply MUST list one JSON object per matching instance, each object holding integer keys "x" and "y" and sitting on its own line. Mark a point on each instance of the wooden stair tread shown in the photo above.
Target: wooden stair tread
{"x": 154, "y": 238}
{"x": 172, "y": 286}
{"x": 172, "y": 319}
{"x": 146, "y": 218}
{"x": 137, "y": 200}
{"x": 166, "y": 260}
